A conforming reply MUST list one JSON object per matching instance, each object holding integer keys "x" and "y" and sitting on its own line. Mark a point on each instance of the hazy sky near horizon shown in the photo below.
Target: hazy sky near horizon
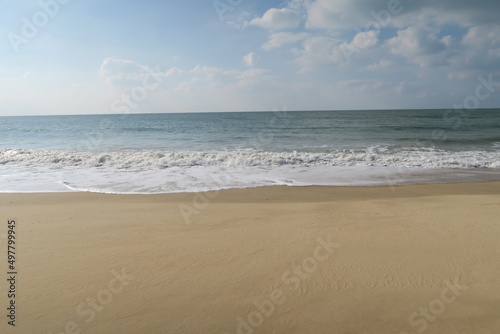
{"x": 89, "y": 57}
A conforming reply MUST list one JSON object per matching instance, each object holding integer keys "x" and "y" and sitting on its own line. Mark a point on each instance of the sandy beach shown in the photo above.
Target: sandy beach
{"x": 350, "y": 260}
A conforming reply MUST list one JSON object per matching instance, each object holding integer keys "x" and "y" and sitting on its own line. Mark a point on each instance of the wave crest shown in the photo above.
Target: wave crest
{"x": 151, "y": 160}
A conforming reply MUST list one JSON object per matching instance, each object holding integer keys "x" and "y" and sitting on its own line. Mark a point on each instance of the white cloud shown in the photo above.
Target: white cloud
{"x": 207, "y": 72}
{"x": 125, "y": 72}
{"x": 341, "y": 14}
{"x": 463, "y": 12}
{"x": 363, "y": 85}
{"x": 278, "y": 19}
{"x": 405, "y": 87}
{"x": 365, "y": 39}
{"x": 348, "y": 14}
{"x": 122, "y": 70}
{"x": 280, "y": 39}
{"x": 420, "y": 39}
{"x": 421, "y": 46}
{"x": 346, "y": 52}
{"x": 323, "y": 51}
{"x": 445, "y": 45}
{"x": 174, "y": 71}
{"x": 111, "y": 66}
{"x": 483, "y": 36}
{"x": 316, "y": 52}
{"x": 324, "y": 15}
{"x": 383, "y": 64}
{"x": 250, "y": 59}
{"x": 479, "y": 49}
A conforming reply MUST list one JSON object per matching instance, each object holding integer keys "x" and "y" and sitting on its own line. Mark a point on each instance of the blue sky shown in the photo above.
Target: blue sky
{"x": 79, "y": 57}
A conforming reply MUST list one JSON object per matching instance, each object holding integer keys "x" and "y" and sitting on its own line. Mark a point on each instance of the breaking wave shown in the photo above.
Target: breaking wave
{"x": 152, "y": 160}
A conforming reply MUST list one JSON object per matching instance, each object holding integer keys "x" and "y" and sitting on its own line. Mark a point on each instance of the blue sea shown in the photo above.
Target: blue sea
{"x": 188, "y": 152}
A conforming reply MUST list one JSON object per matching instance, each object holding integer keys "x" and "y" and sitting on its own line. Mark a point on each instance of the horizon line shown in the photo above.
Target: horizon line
{"x": 245, "y": 111}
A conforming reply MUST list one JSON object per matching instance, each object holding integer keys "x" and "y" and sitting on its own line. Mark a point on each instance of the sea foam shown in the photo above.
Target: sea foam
{"x": 151, "y": 160}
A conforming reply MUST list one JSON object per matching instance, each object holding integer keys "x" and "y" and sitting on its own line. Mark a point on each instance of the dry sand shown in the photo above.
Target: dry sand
{"x": 412, "y": 259}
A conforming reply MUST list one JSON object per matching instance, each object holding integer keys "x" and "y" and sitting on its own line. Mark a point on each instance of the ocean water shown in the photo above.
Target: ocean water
{"x": 165, "y": 153}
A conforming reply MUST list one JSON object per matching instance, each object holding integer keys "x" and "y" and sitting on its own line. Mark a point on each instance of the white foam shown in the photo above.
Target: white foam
{"x": 205, "y": 178}
{"x": 148, "y": 172}
{"x": 149, "y": 160}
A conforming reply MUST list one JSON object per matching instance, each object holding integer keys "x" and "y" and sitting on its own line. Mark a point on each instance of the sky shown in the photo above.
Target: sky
{"x": 120, "y": 56}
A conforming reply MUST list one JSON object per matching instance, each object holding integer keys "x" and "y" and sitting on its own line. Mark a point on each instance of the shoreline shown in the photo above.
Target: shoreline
{"x": 276, "y": 259}
{"x": 452, "y": 187}
{"x": 146, "y": 180}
